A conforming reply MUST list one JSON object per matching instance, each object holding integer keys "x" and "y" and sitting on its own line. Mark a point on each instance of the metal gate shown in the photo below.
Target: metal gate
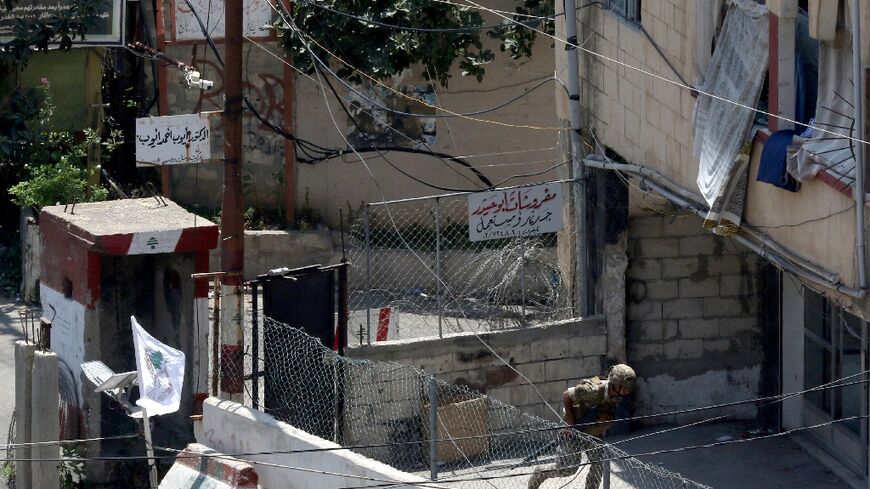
{"x": 306, "y": 298}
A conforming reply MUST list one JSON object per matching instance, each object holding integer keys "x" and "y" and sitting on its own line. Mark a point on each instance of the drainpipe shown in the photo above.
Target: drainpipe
{"x": 754, "y": 240}
{"x": 858, "y": 190}
{"x": 578, "y": 171}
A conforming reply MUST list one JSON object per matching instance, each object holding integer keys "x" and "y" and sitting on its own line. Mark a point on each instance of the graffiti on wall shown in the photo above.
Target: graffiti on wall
{"x": 377, "y": 126}
{"x": 256, "y": 15}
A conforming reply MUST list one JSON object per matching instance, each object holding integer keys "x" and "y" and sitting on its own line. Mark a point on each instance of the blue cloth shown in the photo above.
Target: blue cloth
{"x": 772, "y": 168}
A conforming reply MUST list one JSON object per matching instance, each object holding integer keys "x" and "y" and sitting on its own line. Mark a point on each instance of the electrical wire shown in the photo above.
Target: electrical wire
{"x": 380, "y": 151}
{"x": 798, "y": 224}
{"x": 13, "y": 446}
{"x": 511, "y": 152}
{"x": 530, "y": 16}
{"x": 768, "y": 400}
{"x": 389, "y": 213}
{"x": 661, "y": 53}
{"x": 404, "y": 241}
{"x": 307, "y": 147}
{"x": 642, "y": 454}
{"x": 311, "y": 40}
{"x": 480, "y": 176}
{"x": 438, "y": 484}
{"x": 279, "y": 58}
{"x": 694, "y": 90}
{"x": 350, "y": 116}
{"x": 447, "y": 114}
{"x": 446, "y": 30}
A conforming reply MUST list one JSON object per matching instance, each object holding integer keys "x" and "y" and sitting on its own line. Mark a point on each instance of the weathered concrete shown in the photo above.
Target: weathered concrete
{"x": 776, "y": 463}
{"x": 102, "y": 264}
{"x": 128, "y": 216}
{"x": 232, "y": 428}
{"x": 267, "y": 250}
{"x": 31, "y": 249}
{"x": 693, "y": 325}
{"x": 344, "y": 183}
{"x": 552, "y": 356}
{"x": 45, "y": 424}
{"x": 614, "y": 292}
{"x": 23, "y": 392}
{"x": 199, "y": 467}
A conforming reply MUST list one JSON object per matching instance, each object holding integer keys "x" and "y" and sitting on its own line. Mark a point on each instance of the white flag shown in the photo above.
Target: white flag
{"x": 161, "y": 373}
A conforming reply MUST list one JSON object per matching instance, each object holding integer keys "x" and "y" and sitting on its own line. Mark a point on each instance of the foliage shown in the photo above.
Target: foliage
{"x": 383, "y": 52}
{"x": 48, "y": 166}
{"x": 56, "y": 184}
{"x": 72, "y": 472}
{"x": 516, "y": 38}
{"x": 7, "y": 471}
{"x": 31, "y": 36}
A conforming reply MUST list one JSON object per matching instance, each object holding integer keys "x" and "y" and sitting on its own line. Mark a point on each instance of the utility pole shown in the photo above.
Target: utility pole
{"x": 232, "y": 225}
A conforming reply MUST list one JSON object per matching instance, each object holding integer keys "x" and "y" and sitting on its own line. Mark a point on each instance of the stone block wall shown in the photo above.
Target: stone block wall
{"x": 641, "y": 117}
{"x": 388, "y": 400}
{"x": 552, "y": 356}
{"x": 693, "y": 328}
{"x": 267, "y": 250}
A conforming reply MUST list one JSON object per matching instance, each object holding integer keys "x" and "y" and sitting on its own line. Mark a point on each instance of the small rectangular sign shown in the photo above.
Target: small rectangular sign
{"x": 523, "y": 211}
{"x": 107, "y": 28}
{"x": 256, "y": 16}
{"x": 172, "y": 140}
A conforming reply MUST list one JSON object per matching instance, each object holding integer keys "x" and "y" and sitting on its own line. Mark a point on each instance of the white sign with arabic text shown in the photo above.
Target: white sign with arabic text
{"x": 172, "y": 140}
{"x": 523, "y": 211}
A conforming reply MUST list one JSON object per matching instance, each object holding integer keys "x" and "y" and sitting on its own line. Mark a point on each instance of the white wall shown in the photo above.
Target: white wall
{"x": 231, "y": 428}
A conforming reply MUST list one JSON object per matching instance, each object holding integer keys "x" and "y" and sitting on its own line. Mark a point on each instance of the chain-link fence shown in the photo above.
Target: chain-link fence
{"x": 388, "y": 411}
{"x": 415, "y": 272}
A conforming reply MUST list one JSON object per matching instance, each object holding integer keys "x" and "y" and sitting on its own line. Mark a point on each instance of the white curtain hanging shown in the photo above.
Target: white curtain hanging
{"x": 721, "y": 128}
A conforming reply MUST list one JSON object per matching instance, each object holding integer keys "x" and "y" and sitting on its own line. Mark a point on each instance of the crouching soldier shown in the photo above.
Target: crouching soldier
{"x": 591, "y": 400}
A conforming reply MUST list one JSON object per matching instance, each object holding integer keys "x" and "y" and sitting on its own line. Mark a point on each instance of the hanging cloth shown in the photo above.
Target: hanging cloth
{"x": 722, "y": 129}
{"x": 772, "y": 168}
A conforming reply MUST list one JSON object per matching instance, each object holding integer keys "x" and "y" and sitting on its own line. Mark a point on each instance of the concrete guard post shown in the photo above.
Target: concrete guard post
{"x": 45, "y": 422}
{"x": 23, "y": 387}
{"x": 198, "y": 467}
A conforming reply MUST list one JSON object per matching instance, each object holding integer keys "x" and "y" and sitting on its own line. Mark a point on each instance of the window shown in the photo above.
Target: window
{"x": 832, "y": 351}
{"x": 627, "y": 9}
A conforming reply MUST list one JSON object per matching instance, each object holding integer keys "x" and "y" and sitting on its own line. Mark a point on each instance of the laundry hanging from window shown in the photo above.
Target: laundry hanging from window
{"x": 826, "y": 145}
{"x": 721, "y": 128}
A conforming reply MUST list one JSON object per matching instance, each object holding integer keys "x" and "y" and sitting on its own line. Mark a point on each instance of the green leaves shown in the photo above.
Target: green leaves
{"x": 62, "y": 183}
{"x": 35, "y": 35}
{"x": 450, "y": 35}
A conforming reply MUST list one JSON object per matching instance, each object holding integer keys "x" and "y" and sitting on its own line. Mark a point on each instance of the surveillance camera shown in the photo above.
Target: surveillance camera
{"x": 194, "y": 80}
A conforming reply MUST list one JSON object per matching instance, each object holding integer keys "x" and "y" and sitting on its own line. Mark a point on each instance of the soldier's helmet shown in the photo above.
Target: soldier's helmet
{"x": 622, "y": 375}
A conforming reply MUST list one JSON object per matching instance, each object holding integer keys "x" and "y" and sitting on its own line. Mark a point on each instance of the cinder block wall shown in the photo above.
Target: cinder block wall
{"x": 553, "y": 357}
{"x": 693, "y": 329}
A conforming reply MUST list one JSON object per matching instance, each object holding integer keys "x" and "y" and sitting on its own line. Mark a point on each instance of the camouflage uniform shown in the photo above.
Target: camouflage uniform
{"x": 591, "y": 402}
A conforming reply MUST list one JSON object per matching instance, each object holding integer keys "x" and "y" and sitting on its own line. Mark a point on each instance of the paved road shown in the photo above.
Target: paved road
{"x": 10, "y": 330}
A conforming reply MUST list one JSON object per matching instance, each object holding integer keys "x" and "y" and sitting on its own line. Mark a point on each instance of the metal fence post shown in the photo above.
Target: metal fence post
{"x": 438, "y": 264}
{"x": 255, "y": 346}
{"x": 432, "y": 388}
{"x": 368, "y": 276}
{"x": 523, "y": 275}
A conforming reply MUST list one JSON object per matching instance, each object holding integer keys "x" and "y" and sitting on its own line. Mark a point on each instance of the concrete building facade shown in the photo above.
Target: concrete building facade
{"x": 776, "y": 305}
{"x": 518, "y": 138}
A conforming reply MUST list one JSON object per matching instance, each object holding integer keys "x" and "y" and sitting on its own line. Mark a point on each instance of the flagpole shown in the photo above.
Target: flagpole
{"x": 149, "y": 449}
